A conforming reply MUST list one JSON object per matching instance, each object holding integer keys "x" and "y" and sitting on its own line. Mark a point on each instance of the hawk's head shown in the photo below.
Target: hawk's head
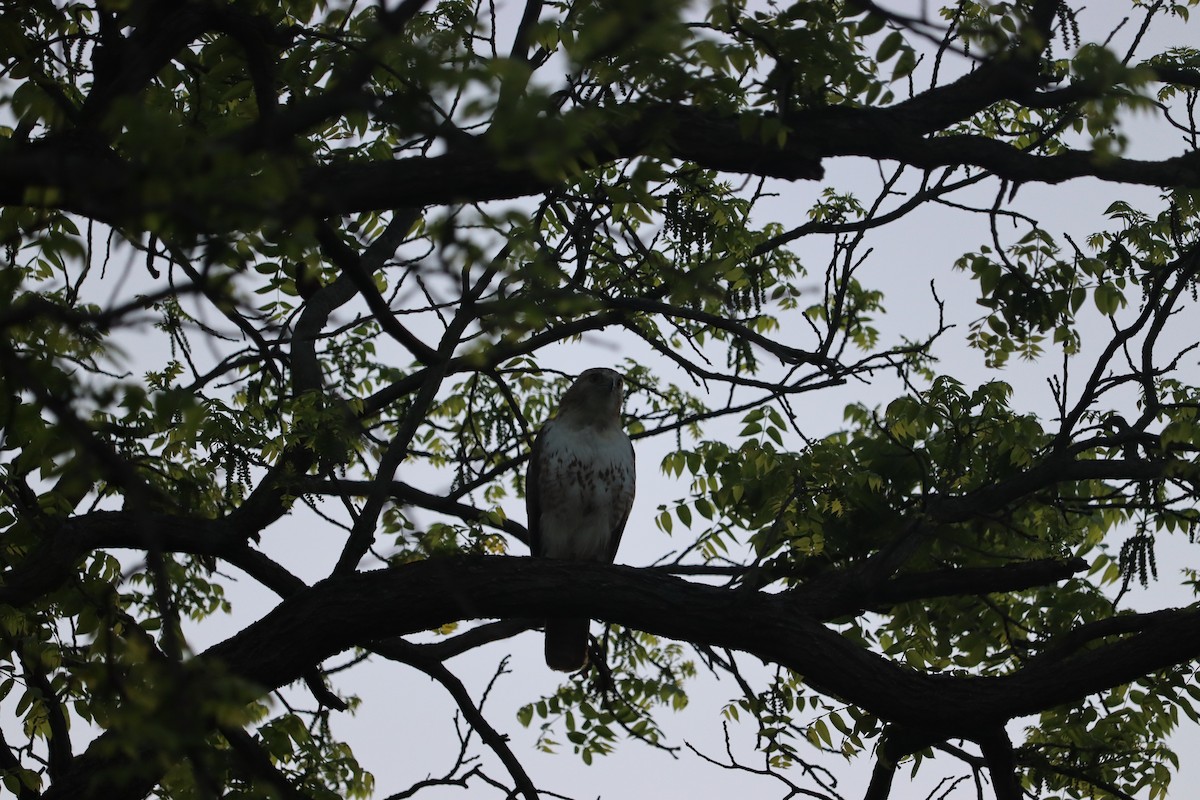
{"x": 595, "y": 396}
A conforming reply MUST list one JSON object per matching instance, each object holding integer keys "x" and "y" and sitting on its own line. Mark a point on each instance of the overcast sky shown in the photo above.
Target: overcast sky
{"x": 404, "y": 731}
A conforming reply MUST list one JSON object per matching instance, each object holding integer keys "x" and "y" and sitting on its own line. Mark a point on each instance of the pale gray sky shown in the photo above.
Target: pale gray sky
{"x": 404, "y": 730}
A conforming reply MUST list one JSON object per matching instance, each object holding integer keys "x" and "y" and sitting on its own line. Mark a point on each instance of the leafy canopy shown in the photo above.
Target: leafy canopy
{"x": 326, "y": 266}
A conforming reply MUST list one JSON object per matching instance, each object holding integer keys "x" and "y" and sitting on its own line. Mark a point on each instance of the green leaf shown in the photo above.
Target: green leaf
{"x": 889, "y": 46}
{"x": 871, "y": 23}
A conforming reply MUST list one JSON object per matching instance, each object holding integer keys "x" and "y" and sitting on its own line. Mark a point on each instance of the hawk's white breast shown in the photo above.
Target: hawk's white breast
{"x": 586, "y": 483}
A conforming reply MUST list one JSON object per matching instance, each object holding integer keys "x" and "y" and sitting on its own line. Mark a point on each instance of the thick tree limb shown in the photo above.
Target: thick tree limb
{"x": 975, "y": 580}
{"x": 342, "y": 612}
{"x": 1061, "y": 647}
{"x": 828, "y": 597}
{"x": 998, "y": 753}
{"x": 359, "y": 610}
{"x": 880, "y": 787}
{"x": 1048, "y": 473}
{"x": 102, "y": 186}
{"x": 60, "y": 549}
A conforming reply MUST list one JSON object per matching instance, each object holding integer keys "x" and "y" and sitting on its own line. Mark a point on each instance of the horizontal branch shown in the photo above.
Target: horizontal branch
{"x": 827, "y": 597}
{"x": 98, "y": 184}
{"x": 350, "y": 611}
{"x": 975, "y": 580}
{"x": 60, "y": 549}
{"x": 1052, "y": 471}
{"x": 369, "y": 609}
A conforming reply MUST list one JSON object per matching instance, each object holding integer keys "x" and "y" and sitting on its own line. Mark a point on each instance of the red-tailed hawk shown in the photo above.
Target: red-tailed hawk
{"x": 578, "y": 493}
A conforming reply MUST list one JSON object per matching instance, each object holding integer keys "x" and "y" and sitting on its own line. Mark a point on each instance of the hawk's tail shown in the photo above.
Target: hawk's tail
{"x": 567, "y": 643}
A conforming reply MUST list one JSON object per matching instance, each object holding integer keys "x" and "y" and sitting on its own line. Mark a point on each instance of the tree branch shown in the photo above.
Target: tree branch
{"x": 401, "y": 651}
{"x": 998, "y": 753}
{"x": 362, "y": 609}
{"x": 342, "y": 612}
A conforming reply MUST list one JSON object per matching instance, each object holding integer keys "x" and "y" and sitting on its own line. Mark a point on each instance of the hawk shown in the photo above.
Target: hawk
{"x": 578, "y": 493}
